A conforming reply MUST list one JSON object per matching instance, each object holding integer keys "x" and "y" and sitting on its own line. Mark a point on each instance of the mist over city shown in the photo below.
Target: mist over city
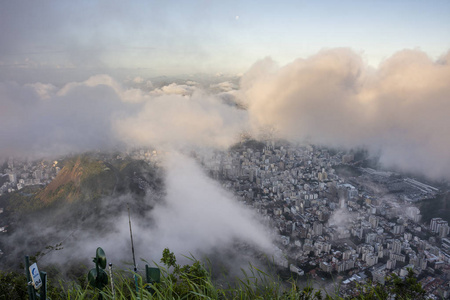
{"x": 310, "y": 139}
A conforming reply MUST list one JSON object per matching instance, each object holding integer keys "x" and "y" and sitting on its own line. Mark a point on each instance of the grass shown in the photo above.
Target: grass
{"x": 254, "y": 284}
{"x": 194, "y": 281}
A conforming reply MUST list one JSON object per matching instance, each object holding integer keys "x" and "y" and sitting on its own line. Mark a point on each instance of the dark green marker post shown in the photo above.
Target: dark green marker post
{"x": 153, "y": 275}
{"x": 30, "y": 288}
{"x": 43, "y": 290}
{"x": 32, "y": 295}
{"x": 97, "y": 276}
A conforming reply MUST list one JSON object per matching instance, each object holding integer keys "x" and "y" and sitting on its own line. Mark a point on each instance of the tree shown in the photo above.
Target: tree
{"x": 395, "y": 288}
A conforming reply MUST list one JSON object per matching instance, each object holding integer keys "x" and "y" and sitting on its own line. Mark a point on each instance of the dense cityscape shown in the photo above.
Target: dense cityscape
{"x": 333, "y": 224}
{"x": 328, "y": 224}
{"x": 363, "y": 225}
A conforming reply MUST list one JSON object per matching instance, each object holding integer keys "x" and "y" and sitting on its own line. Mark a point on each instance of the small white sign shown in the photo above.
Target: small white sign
{"x": 35, "y": 276}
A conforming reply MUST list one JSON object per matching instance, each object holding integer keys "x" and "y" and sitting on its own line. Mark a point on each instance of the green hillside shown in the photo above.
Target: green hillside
{"x": 89, "y": 190}
{"x": 85, "y": 178}
{"x": 82, "y": 178}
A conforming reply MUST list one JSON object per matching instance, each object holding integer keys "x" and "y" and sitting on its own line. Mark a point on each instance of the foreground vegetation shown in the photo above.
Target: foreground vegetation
{"x": 193, "y": 281}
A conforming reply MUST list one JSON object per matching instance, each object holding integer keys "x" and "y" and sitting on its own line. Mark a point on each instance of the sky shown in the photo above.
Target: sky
{"x": 81, "y": 38}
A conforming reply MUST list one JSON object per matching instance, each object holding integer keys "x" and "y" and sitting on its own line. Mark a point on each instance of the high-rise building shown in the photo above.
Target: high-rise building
{"x": 349, "y": 264}
{"x": 12, "y": 177}
{"x": 379, "y": 276}
{"x": 446, "y": 245}
{"x": 434, "y": 224}
{"x": 399, "y": 229}
{"x": 373, "y": 221}
{"x": 370, "y": 238}
{"x": 439, "y": 226}
{"x": 422, "y": 262}
{"x": 443, "y": 230}
{"x": 390, "y": 264}
{"x": 326, "y": 267}
{"x": 317, "y": 228}
{"x": 371, "y": 259}
{"x": 396, "y": 247}
{"x": 346, "y": 254}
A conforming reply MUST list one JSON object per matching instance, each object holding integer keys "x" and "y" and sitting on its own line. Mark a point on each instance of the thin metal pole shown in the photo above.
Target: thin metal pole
{"x": 132, "y": 250}
{"x": 131, "y": 235}
{"x": 112, "y": 281}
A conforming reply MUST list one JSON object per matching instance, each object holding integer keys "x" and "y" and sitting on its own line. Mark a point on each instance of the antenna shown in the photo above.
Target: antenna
{"x": 132, "y": 250}
{"x": 131, "y": 236}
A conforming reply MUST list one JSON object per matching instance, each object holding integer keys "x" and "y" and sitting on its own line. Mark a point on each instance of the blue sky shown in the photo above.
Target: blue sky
{"x": 183, "y": 37}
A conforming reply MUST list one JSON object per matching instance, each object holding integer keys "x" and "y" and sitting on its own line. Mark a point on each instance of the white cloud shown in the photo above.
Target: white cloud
{"x": 175, "y": 89}
{"x": 199, "y": 215}
{"x": 225, "y": 86}
{"x": 138, "y": 79}
{"x": 45, "y": 91}
{"x": 333, "y": 98}
{"x": 180, "y": 120}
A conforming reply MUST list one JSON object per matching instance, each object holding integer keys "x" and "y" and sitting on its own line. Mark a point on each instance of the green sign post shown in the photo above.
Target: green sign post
{"x": 36, "y": 281}
{"x": 97, "y": 276}
{"x": 153, "y": 275}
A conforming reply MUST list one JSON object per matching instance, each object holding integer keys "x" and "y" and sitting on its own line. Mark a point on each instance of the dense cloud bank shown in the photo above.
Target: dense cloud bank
{"x": 333, "y": 98}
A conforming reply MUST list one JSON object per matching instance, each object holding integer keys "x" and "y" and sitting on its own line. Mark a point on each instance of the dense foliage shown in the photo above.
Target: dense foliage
{"x": 193, "y": 281}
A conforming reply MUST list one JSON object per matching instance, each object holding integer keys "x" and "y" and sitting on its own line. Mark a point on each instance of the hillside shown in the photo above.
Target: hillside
{"x": 89, "y": 190}
{"x": 82, "y": 178}
{"x": 85, "y": 178}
